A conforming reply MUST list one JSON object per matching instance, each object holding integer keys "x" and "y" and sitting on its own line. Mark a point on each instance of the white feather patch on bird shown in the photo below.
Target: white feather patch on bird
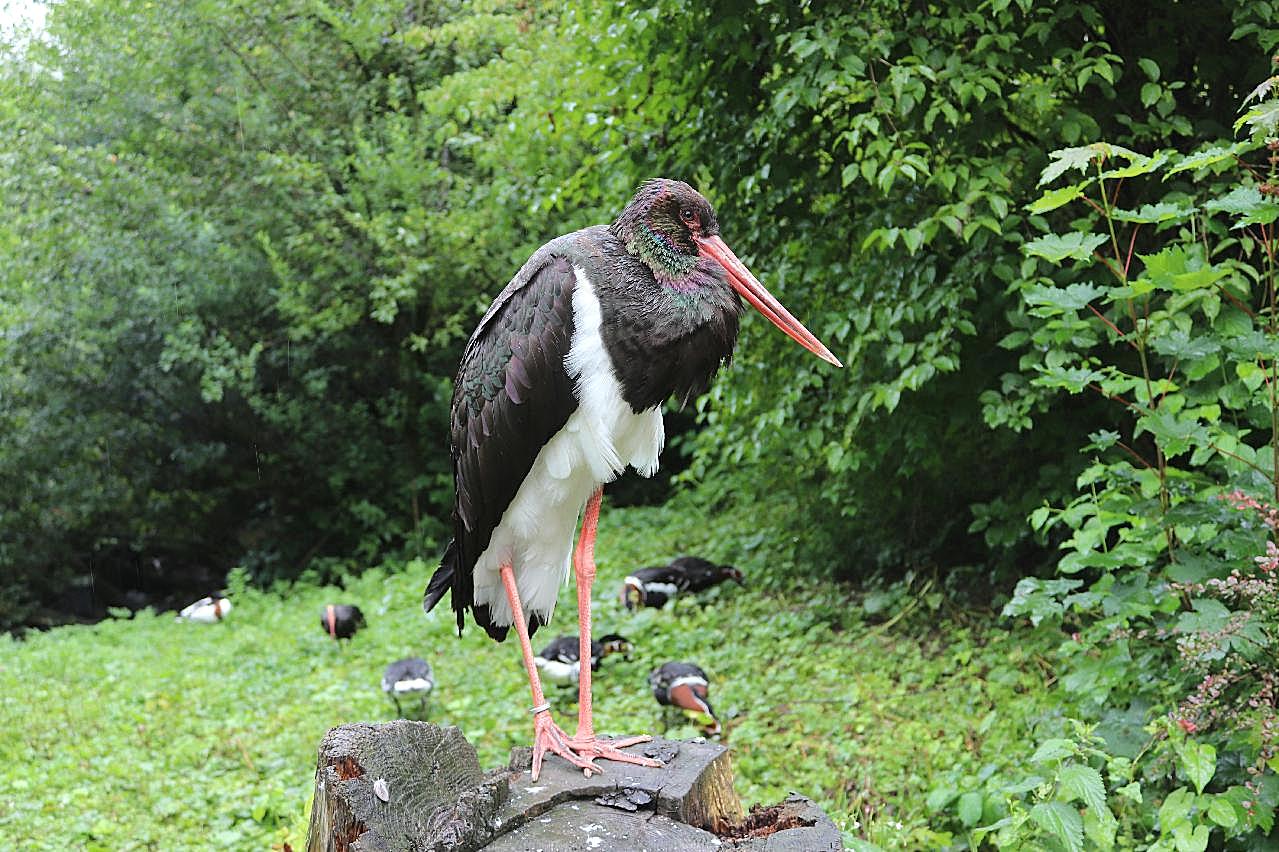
{"x": 668, "y": 589}
{"x": 206, "y": 611}
{"x": 691, "y": 680}
{"x": 601, "y": 438}
{"x": 414, "y": 685}
{"x": 381, "y": 790}
{"x": 558, "y": 669}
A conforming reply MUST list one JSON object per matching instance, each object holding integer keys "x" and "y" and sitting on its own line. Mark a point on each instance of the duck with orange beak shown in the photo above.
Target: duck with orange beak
{"x": 685, "y": 686}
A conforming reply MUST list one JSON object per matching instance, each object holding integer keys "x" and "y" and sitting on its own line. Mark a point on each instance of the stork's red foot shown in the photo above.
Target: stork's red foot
{"x": 610, "y": 749}
{"x": 549, "y": 738}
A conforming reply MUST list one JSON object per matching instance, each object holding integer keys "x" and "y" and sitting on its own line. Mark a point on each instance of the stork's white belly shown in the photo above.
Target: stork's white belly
{"x": 600, "y": 439}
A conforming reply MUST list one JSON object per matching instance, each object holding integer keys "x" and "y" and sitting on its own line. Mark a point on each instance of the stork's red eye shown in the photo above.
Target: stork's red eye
{"x": 687, "y": 214}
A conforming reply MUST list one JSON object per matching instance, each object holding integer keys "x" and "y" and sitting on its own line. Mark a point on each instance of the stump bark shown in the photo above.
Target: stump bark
{"x": 417, "y": 786}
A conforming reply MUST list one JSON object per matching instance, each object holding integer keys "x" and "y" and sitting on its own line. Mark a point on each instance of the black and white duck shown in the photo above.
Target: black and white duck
{"x": 407, "y": 677}
{"x": 559, "y": 662}
{"x": 685, "y": 686}
{"x": 341, "y": 621}
{"x": 655, "y": 585}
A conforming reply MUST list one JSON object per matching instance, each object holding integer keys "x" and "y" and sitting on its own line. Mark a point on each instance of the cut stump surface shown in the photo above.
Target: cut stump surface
{"x": 417, "y": 786}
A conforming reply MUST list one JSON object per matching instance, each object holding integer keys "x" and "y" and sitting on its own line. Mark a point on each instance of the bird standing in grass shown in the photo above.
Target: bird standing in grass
{"x": 341, "y": 621}
{"x": 410, "y": 676}
{"x": 208, "y": 610}
{"x": 559, "y": 390}
{"x": 685, "y": 686}
{"x": 560, "y": 662}
{"x": 656, "y": 585}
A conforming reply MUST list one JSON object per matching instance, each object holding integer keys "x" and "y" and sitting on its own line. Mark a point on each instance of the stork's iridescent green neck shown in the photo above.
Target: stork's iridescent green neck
{"x": 658, "y": 228}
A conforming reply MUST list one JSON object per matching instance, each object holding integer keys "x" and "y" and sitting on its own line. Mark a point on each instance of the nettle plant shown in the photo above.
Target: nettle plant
{"x": 1160, "y": 297}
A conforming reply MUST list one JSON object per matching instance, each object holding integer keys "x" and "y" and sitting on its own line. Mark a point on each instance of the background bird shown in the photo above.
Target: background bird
{"x": 655, "y": 585}
{"x": 406, "y": 677}
{"x": 559, "y": 660}
{"x": 341, "y": 621}
{"x": 559, "y": 390}
{"x": 207, "y": 610}
{"x": 685, "y": 686}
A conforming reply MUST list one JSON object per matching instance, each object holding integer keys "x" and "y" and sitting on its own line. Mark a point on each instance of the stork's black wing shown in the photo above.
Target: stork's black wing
{"x": 511, "y": 395}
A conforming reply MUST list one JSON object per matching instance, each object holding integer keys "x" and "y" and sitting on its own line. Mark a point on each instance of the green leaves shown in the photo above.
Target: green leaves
{"x": 1198, "y": 762}
{"x": 1057, "y": 247}
{"x": 1054, "y": 198}
{"x": 1086, "y": 156}
{"x": 970, "y": 808}
{"x": 1068, "y": 299}
{"x": 1062, "y": 822}
{"x": 1247, "y": 204}
{"x": 1057, "y": 748}
{"x": 1222, "y": 812}
{"x": 1065, "y": 159}
{"x": 1083, "y": 783}
{"x": 1039, "y": 600}
{"x": 1211, "y": 156}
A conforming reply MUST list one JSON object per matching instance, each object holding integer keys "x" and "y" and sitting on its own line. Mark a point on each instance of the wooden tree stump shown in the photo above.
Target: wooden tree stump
{"x": 417, "y": 786}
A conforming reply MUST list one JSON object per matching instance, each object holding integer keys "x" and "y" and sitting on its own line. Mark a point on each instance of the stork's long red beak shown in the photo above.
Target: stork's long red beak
{"x": 753, "y": 291}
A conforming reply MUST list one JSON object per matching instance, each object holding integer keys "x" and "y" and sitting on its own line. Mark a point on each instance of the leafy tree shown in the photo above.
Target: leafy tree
{"x": 252, "y": 240}
{"x": 872, "y": 161}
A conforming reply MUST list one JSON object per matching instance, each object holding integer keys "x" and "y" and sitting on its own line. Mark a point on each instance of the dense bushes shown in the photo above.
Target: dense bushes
{"x": 354, "y": 185}
{"x": 246, "y": 247}
{"x": 874, "y": 160}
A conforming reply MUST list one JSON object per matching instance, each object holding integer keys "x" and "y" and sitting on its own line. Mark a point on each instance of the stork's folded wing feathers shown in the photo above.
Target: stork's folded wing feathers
{"x": 511, "y": 395}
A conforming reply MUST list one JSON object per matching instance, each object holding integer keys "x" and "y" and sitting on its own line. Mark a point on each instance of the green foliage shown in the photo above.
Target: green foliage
{"x": 1168, "y": 312}
{"x": 873, "y": 162}
{"x": 246, "y": 247}
{"x": 173, "y": 735}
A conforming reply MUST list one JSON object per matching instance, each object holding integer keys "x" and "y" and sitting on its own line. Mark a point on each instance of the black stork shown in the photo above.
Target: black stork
{"x": 559, "y": 390}
{"x": 655, "y": 585}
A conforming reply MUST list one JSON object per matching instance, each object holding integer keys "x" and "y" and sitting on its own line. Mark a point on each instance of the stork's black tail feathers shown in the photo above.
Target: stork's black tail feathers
{"x": 446, "y": 578}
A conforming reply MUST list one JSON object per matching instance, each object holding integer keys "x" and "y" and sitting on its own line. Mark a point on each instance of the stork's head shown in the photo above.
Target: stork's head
{"x": 671, "y": 228}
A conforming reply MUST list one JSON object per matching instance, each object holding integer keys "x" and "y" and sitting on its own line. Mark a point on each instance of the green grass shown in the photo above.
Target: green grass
{"x": 153, "y": 734}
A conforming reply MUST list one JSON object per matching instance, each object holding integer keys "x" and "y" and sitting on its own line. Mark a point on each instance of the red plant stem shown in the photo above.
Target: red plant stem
{"x": 1109, "y": 265}
{"x": 1117, "y": 398}
{"x": 1094, "y": 205}
{"x": 1131, "y": 244}
{"x": 1235, "y": 301}
{"x": 1101, "y": 316}
{"x": 1171, "y": 373}
{"x": 1138, "y": 456}
{"x": 1241, "y": 161}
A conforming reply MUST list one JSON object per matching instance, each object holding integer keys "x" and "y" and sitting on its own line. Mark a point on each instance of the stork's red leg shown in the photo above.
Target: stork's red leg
{"x": 585, "y": 741}
{"x": 547, "y": 736}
